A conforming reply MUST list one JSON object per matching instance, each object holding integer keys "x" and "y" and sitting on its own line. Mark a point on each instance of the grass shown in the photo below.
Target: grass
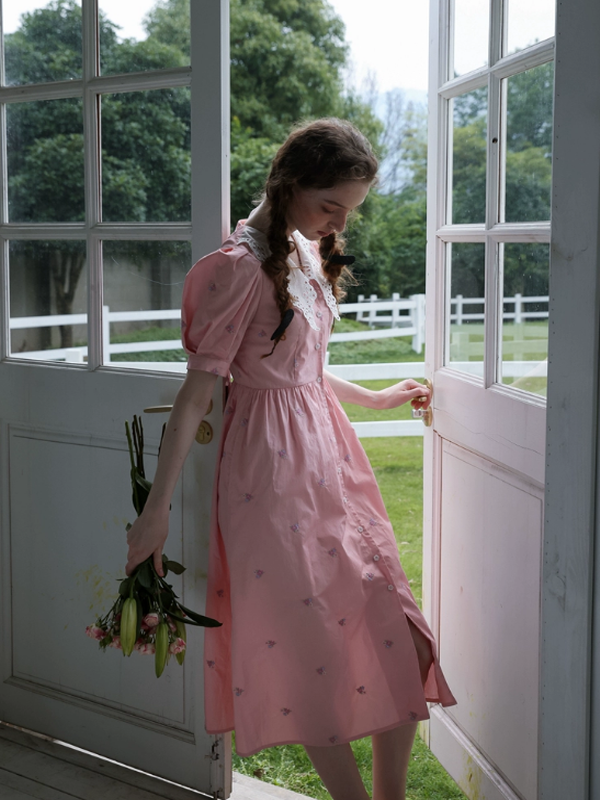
{"x": 398, "y": 466}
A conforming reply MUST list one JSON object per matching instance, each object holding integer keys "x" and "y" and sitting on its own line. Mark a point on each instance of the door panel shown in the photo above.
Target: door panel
{"x": 484, "y": 456}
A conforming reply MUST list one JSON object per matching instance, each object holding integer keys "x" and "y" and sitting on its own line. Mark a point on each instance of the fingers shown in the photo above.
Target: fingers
{"x": 158, "y": 565}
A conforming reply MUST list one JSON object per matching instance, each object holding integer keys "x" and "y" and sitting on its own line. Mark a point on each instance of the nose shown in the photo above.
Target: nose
{"x": 339, "y": 221}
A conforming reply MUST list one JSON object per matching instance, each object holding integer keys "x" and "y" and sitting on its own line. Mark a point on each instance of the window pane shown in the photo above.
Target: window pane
{"x": 45, "y": 161}
{"x": 146, "y": 158}
{"x": 529, "y": 21}
{"x": 42, "y": 41}
{"x": 145, "y": 35}
{"x": 471, "y": 32}
{"x": 143, "y": 282}
{"x": 465, "y": 307}
{"x": 48, "y": 300}
{"x": 524, "y": 338}
{"x": 469, "y": 113}
{"x": 529, "y": 144}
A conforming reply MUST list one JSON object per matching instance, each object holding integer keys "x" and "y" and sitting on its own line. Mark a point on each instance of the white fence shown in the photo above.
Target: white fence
{"x": 401, "y": 317}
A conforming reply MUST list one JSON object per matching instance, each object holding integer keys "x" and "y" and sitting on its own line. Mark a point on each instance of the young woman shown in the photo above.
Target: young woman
{"x": 322, "y": 641}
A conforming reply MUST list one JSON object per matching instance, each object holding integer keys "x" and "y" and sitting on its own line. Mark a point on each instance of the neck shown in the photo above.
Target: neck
{"x": 260, "y": 218}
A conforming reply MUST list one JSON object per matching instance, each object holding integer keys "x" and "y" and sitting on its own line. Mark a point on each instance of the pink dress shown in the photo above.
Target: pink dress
{"x": 304, "y": 571}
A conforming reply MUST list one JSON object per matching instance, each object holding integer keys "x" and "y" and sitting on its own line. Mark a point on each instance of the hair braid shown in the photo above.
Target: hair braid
{"x": 316, "y": 155}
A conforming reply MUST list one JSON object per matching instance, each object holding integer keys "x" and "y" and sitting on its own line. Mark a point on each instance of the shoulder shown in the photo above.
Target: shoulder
{"x": 233, "y": 261}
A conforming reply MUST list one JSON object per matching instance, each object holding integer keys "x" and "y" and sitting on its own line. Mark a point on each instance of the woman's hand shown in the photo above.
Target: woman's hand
{"x": 403, "y": 392}
{"x": 147, "y": 537}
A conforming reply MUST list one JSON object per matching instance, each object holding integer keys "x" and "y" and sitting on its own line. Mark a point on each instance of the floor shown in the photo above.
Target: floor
{"x": 36, "y": 768}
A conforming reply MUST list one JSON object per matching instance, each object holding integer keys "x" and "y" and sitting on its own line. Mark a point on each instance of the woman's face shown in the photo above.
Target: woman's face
{"x": 318, "y": 212}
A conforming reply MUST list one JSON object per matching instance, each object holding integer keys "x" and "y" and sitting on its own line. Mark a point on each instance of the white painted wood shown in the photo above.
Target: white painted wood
{"x": 64, "y": 493}
{"x": 484, "y": 471}
{"x": 570, "y": 710}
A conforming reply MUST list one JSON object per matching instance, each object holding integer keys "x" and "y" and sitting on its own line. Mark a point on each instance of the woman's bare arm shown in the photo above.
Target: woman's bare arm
{"x": 392, "y": 397}
{"x": 149, "y": 532}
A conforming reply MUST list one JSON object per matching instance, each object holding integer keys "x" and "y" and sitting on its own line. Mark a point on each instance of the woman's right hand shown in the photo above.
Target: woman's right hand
{"x": 147, "y": 537}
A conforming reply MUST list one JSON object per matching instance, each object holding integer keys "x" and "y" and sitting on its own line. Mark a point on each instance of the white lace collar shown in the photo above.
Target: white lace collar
{"x": 300, "y": 288}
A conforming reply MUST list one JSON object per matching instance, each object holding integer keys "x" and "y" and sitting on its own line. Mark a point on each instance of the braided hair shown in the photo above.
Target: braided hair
{"x": 317, "y": 155}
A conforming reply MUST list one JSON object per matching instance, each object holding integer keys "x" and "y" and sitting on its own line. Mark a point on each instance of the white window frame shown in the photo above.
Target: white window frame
{"x": 209, "y": 224}
{"x": 491, "y": 232}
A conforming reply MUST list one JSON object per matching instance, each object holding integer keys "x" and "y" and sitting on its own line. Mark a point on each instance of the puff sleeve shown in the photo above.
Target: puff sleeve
{"x": 221, "y": 294}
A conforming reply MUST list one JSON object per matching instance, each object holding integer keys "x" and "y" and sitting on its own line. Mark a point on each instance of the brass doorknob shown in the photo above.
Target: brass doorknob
{"x": 205, "y": 432}
{"x": 425, "y": 414}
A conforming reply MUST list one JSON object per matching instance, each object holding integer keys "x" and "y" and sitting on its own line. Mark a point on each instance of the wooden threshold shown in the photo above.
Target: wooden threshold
{"x": 35, "y": 767}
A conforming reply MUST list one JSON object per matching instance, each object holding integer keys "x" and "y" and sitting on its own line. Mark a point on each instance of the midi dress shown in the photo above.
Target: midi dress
{"x": 304, "y": 572}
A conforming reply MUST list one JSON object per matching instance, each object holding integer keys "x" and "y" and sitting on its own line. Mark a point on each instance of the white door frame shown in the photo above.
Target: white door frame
{"x": 569, "y": 723}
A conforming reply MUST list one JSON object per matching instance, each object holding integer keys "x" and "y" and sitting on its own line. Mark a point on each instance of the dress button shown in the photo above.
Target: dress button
{"x": 375, "y": 558}
{"x": 360, "y": 529}
{"x": 319, "y": 379}
{"x": 317, "y": 346}
{"x": 340, "y": 470}
{"x": 319, "y": 315}
{"x": 390, "y": 588}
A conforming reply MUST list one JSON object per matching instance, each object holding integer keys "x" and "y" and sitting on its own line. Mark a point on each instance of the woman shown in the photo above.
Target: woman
{"x": 322, "y": 641}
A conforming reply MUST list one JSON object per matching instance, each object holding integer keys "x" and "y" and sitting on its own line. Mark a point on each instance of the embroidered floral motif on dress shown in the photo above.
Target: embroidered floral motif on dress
{"x": 270, "y": 643}
{"x": 211, "y": 664}
{"x": 259, "y": 573}
{"x": 308, "y": 601}
{"x": 295, "y": 527}
{"x": 286, "y": 711}
{"x": 212, "y": 287}
{"x": 248, "y": 497}
{"x": 373, "y": 521}
{"x": 238, "y": 691}
{"x": 348, "y": 458}
{"x": 412, "y": 715}
{"x": 322, "y": 482}
{"x": 388, "y": 643}
{"x": 321, "y": 670}
{"x": 333, "y": 551}
{"x": 244, "y": 422}
{"x": 369, "y": 576}
{"x": 283, "y": 453}
{"x": 220, "y": 593}
{"x": 334, "y": 739}
{"x": 342, "y": 621}
{"x": 229, "y": 328}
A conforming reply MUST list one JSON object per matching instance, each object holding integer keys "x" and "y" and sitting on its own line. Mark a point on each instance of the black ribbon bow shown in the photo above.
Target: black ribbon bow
{"x": 285, "y": 321}
{"x": 346, "y": 261}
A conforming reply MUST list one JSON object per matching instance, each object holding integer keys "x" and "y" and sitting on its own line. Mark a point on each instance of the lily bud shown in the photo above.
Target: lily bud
{"x": 128, "y": 625}
{"x": 180, "y": 626}
{"x": 162, "y": 648}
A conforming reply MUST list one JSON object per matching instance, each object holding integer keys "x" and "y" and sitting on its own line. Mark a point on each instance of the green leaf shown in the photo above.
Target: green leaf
{"x": 175, "y": 567}
{"x": 201, "y": 620}
{"x": 145, "y": 576}
{"x": 125, "y": 587}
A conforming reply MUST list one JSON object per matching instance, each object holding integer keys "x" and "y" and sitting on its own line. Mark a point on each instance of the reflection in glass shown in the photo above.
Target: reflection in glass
{"x": 146, "y": 162}
{"x": 465, "y": 307}
{"x": 144, "y": 35}
{"x": 524, "y": 339}
{"x": 471, "y": 33}
{"x": 47, "y": 281}
{"x": 529, "y": 22}
{"x": 42, "y": 44}
{"x": 469, "y": 113}
{"x": 45, "y": 161}
{"x": 529, "y": 144}
{"x": 143, "y": 282}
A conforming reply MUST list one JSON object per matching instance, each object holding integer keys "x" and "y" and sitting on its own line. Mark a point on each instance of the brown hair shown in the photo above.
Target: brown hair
{"x": 316, "y": 155}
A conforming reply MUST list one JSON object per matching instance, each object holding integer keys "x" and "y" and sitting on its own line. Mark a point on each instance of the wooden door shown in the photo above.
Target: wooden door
{"x": 65, "y": 493}
{"x": 490, "y": 129}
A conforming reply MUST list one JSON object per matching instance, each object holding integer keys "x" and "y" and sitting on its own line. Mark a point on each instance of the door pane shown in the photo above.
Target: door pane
{"x": 529, "y": 21}
{"x": 465, "y": 307}
{"x": 146, "y": 162}
{"x": 42, "y": 43}
{"x": 528, "y": 171}
{"x": 468, "y": 162}
{"x": 143, "y": 282}
{"x": 524, "y": 339}
{"x": 471, "y": 32}
{"x": 142, "y": 36}
{"x": 48, "y": 300}
{"x": 45, "y": 161}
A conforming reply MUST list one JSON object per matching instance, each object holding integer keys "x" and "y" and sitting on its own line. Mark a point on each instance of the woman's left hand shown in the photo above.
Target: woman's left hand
{"x": 394, "y": 396}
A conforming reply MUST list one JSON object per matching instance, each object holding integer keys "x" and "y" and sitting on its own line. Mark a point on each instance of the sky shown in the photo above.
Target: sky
{"x": 389, "y": 41}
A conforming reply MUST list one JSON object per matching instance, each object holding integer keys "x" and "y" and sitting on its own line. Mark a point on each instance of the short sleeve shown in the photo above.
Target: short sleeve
{"x": 221, "y": 294}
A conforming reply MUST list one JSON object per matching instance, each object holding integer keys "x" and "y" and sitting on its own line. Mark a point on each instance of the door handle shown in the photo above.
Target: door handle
{"x": 425, "y": 414}
{"x": 205, "y": 432}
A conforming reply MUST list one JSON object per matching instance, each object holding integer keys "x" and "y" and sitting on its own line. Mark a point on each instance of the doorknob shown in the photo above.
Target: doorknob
{"x": 425, "y": 414}
{"x": 205, "y": 432}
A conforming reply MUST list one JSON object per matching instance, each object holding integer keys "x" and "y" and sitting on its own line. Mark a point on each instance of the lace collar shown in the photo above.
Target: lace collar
{"x": 300, "y": 288}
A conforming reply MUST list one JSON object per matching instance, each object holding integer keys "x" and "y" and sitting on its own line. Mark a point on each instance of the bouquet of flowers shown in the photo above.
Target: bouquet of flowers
{"x": 146, "y": 616}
